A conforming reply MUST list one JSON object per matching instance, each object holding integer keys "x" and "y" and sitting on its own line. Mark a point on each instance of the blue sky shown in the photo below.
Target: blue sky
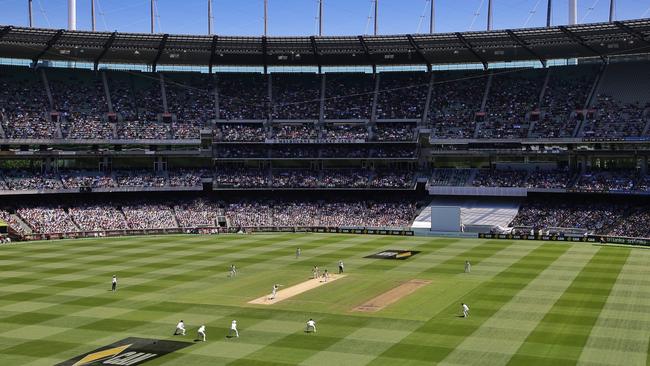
{"x": 298, "y": 17}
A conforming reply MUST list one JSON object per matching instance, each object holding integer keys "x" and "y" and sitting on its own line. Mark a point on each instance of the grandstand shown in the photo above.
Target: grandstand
{"x": 386, "y": 139}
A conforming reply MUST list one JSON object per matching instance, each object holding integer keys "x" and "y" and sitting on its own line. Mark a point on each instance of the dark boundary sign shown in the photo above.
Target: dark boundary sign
{"x": 127, "y": 352}
{"x": 393, "y": 254}
{"x": 587, "y": 239}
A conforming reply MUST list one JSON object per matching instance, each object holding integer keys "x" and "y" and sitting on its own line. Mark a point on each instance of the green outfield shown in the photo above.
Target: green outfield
{"x": 532, "y": 303}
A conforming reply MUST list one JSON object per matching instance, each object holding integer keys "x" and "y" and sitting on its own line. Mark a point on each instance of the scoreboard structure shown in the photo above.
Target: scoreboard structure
{"x": 445, "y": 218}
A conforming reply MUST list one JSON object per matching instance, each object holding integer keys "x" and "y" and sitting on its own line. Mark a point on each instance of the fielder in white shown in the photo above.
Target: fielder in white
{"x": 201, "y": 332}
{"x": 468, "y": 266}
{"x": 311, "y": 326}
{"x": 465, "y": 309}
{"x": 233, "y": 329}
{"x": 180, "y": 328}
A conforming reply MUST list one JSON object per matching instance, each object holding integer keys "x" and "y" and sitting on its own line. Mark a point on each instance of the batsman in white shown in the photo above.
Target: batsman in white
{"x": 274, "y": 291}
{"x": 326, "y": 276}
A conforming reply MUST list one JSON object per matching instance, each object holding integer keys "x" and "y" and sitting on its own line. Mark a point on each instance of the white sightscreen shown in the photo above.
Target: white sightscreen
{"x": 445, "y": 218}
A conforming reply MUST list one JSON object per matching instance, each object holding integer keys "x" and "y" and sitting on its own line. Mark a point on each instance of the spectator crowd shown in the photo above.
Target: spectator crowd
{"x": 196, "y": 213}
{"x": 518, "y": 103}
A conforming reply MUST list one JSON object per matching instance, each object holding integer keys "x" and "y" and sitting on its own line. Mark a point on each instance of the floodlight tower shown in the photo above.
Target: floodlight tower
{"x": 432, "y": 18}
{"x": 376, "y": 14}
{"x": 549, "y": 10}
{"x": 266, "y": 17}
{"x": 573, "y": 12}
{"x": 31, "y": 19}
{"x": 72, "y": 14}
{"x": 320, "y": 18}
{"x": 210, "y": 17}
{"x": 489, "y": 15}
{"x": 152, "y": 13}
{"x": 612, "y": 10}
{"x": 92, "y": 14}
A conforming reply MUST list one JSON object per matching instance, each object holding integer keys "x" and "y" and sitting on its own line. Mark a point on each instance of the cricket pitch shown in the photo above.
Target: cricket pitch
{"x": 391, "y": 296}
{"x": 292, "y": 291}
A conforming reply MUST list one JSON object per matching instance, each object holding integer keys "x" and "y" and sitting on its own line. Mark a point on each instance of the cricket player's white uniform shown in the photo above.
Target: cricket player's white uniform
{"x": 468, "y": 267}
{"x": 233, "y": 328}
{"x": 311, "y": 325}
{"x": 202, "y": 332}
{"x": 180, "y": 328}
{"x": 465, "y": 310}
{"x": 273, "y": 292}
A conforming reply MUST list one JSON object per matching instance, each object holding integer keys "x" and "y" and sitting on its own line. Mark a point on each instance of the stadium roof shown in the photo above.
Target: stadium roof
{"x": 561, "y": 42}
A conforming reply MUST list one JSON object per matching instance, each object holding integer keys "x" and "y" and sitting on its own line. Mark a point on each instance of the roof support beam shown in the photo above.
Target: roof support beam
{"x": 525, "y": 46}
{"x": 314, "y": 49}
{"x": 419, "y": 52}
{"x": 51, "y": 42}
{"x": 471, "y": 49}
{"x": 366, "y": 51}
{"x": 213, "y": 50}
{"x": 161, "y": 48}
{"x": 265, "y": 55}
{"x": 5, "y": 31}
{"x": 634, "y": 33}
{"x": 577, "y": 39}
{"x": 107, "y": 46}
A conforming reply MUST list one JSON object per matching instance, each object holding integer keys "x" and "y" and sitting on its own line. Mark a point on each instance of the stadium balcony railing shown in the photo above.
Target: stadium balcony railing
{"x": 64, "y": 141}
{"x": 166, "y": 188}
{"x": 218, "y": 230}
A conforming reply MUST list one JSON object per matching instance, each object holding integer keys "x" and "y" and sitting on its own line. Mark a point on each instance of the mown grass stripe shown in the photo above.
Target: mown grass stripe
{"x": 286, "y": 248}
{"x": 253, "y": 259}
{"x": 367, "y": 350}
{"x": 564, "y": 330}
{"x": 501, "y": 335}
{"x": 273, "y": 351}
{"x": 103, "y": 298}
{"x": 612, "y": 337}
{"x": 438, "y": 337}
{"x": 71, "y": 266}
{"x": 297, "y": 347}
{"x": 429, "y": 248}
{"x": 180, "y": 276}
{"x": 475, "y": 254}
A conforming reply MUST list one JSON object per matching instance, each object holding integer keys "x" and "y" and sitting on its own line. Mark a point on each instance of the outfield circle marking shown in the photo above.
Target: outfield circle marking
{"x": 391, "y": 296}
{"x": 295, "y": 290}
